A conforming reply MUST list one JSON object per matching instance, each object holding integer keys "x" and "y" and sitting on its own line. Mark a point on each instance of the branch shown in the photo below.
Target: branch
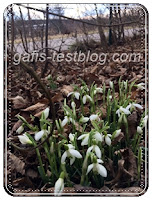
{"x": 79, "y": 20}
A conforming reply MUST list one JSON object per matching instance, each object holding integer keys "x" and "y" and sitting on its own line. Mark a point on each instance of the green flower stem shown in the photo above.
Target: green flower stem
{"x": 66, "y": 175}
{"x": 84, "y": 169}
{"x": 39, "y": 156}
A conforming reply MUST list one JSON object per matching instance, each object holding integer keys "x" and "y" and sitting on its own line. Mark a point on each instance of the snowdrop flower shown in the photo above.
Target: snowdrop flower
{"x": 134, "y": 105}
{"x": 84, "y": 138}
{"x": 98, "y": 136}
{"x": 76, "y": 95}
{"x": 97, "y": 167}
{"x": 110, "y": 96}
{"x": 71, "y": 137}
{"x": 140, "y": 86}
{"x": 94, "y": 117}
{"x": 111, "y": 84}
{"x": 85, "y": 98}
{"x": 71, "y": 153}
{"x": 145, "y": 119}
{"x": 96, "y": 149}
{"x": 73, "y": 105}
{"x": 116, "y": 133}
{"x": 20, "y": 129}
{"x": 122, "y": 110}
{"x": 107, "y": 139}
{"x": 24, "y": 139}
{"x": 39, "y": 135}
{"x": 59, "y": 185}
{"x": 84, "y": 119}
{"x": 66, "y": 120}
{"x": 139, "y": 130}
{"x": 46, "y": 112}
{"x": 98, "y": 90}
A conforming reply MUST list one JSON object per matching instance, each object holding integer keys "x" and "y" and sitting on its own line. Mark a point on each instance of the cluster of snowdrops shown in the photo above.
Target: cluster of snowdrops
{"x": 75, "y": 157}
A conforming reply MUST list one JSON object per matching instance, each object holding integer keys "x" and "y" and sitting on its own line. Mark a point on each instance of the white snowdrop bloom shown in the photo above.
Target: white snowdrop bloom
{"x": 96, "y": 167}
{"x": 122, "y": 110}
{"x": 46, "y": 112}
{"x": 73, "y": 105}
{"x": 98, "y": 136}
{"x": 39, "y": 135}
{"x": 98, "y": 90}
{"x": 110, "y": 96}
{"x": 59, "y": 187}
{"x": 24, "y": 139}
{"x": 66, "y": 120}
{"x": 96, "y": 149}
{"x": 76, "y": 95}
{"x": 134, "y": 105}
{"x": 140, "y": 86}
{"x": 94, "y": 117}
{"x": 84, "y": 119}
{"x": 145, "y": 119}
{"x": 139, "y": 130}
{"x": 84, "y": 138}
{"x": 70, "y": 153}
{"x": 117, "y": 133}
{"x": 111, "y": 84}
{"x": 85, "y": 98}
{"x": 71, "y": 137}
{"x": 107, "y": 139}
{"x": 20, "y": 130}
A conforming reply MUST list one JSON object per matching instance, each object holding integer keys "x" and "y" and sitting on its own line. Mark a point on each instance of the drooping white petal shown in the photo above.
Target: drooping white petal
{"x": 98, "y": 136}
{"x": 124, "y": 110}
{"x": 101, "y": 170}
{"x": 72, "y": 160}
{"x": 64, "y": 122}
{"x": 20, "y": 130}
{"x": 73, "y": 105}
{"x": 88, "y": 97}
{"x": 145, "y": 119}
{"x": 94, "y": 117}
{"x": 97, "y": 151}
{"x": 111, "y": 84}
{"x": 84, "y": 119}
{"x": 70, "y": 146}
{"x": 63, "y": 158}
{"x": 99, "y": 161}
{"x": 90, "y": 167}
{"x": 59, "y": 186}
{"x": 89, "y": 149}
{"x": 139, "y": 130}
{"x": 85, "y": 140}
{"x": 117, "y": 133}
{"x": 75, "y": 153}
{"x": 70, "y": 94}
{"x": 77, "y": 95}
{"x": 107, "y": 140}
{"x": 128, "y": 107}
{"x": 71, "y": 137}
{"x": 81, "y": 137}
{"x": 141, "y": 86}
{"x": 84, "y": 99}
{"x": 138, "y": 106}
{"x": 46, "y": 112}
{"x": 118, "y": 112}
{"x": 24, "y": 139}
{"x": 39, "y": 135}
{"x": 99, "y": 90}
{"x": 72, "y": 121}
